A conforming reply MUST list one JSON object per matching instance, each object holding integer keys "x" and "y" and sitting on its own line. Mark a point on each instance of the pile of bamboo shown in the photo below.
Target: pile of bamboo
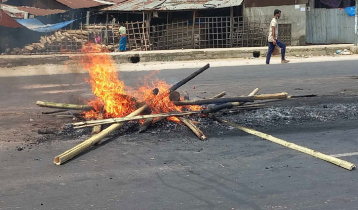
{"x": 217, "y": 103}
{"x": 60, "y": 41}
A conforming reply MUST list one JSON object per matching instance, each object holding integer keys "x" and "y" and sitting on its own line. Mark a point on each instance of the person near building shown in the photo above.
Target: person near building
{"x": 123, "y": 38}
{"x": 272, "y": 39}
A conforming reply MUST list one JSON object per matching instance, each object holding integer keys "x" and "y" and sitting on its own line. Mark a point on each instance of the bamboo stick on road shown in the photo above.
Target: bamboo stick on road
{"x": 63, "y": 105}
{"x": 342, "y": 163}
{"x": 200, "y": 134}
{"x": 220, "y": 95}
{"x": 93, "y": 140}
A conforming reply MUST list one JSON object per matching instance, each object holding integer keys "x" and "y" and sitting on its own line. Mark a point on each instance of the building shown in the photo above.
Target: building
{"x": 306, "y": 21}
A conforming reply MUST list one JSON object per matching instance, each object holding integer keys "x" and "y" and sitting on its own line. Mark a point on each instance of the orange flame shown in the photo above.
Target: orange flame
{"x": 115, "y": 99}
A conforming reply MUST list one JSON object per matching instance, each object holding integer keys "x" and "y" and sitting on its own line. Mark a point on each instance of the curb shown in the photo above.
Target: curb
{"x": 172, "y": 55}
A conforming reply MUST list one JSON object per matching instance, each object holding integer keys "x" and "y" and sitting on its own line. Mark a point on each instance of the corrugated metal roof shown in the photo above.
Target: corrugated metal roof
{"x": 41, "y": 12}
{"x": 19, "y": 11}
{"x": 78, "y": 4}
{"x": 7, "y": 21}
{"x": 171, "y": 5}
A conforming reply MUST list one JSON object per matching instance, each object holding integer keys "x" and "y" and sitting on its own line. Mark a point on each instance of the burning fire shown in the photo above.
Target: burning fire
{"x": 114, "y": 99}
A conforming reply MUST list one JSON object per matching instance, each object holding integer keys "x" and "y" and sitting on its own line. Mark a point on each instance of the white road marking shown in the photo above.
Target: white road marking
{"x": 345, "y": 154}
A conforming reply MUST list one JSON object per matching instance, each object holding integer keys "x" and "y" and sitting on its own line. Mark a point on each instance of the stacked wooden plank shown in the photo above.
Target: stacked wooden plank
{"x": 60, "y": 41}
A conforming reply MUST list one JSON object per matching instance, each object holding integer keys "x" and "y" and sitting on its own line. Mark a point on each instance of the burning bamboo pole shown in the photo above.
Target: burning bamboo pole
{"x": 148, "y": 122}
{"x": 96, "y": 138}
{"x": 92, "y": 123}
{"x": 342, "y": 163}
{"x": 63, "y": 105}
{"x": 93, "y": 140}
{"x": 200, "y": 134}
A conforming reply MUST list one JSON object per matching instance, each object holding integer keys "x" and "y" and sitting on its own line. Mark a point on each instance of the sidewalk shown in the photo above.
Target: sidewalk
{"x": 171, "y": 55}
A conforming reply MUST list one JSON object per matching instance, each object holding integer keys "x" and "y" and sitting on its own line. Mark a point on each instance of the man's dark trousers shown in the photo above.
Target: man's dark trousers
{"x": 272, "y": 48}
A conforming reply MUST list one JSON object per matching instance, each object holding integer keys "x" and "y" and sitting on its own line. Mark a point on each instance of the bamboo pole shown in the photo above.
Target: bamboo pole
{"x": 97, "y": 128}
{"x": 190, "y": 77}
{"x": 125, "y": 119}
{"x": 191, "y": 125}
{"x": 230, "y": 104}
{"x": 54, "y": 112}
{"x": 213, "y": 101}
{"x": 342, "y": 163}
{"x": 222, "y": 94}
{"x": 282, "y": 95}
{"x": 200, "y": 134}
{"x": 63, "y": 105}
{"x": 243, "y": 99}
{"x": 93, "y": 140}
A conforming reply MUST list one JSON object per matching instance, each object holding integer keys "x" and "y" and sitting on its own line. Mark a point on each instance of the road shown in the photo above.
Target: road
{"x": 167, "y": 167}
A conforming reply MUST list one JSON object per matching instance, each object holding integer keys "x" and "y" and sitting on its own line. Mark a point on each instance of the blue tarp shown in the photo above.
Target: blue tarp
{"x": 351, "y": 11}
{"x": 35, "y": 25}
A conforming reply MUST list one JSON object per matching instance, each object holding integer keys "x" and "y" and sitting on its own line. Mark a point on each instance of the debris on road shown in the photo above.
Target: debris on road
{"x": 149, "y": 104}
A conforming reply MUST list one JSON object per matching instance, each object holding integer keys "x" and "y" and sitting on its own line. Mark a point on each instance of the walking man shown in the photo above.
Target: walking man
{"x": 273, "y": 41}
{"x": 123, "y": 39}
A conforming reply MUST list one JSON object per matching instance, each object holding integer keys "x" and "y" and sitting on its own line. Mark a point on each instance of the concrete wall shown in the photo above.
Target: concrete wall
{"x": 290, "y": 15}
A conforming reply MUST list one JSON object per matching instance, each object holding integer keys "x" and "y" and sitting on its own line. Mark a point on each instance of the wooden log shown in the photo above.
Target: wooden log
{"x": 63, "y": 105}
{"x": 48, "y": 40}
{"x": 29, "y": 48}
{"x": 174, "y": 96}
{"x": 43, "y": 40}
{"x": 200, "y": 134}
{"x": 342, "y": 163}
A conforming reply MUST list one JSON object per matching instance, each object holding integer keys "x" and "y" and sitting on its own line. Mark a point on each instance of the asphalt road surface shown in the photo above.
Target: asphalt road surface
{"x": 167, "y": 167}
